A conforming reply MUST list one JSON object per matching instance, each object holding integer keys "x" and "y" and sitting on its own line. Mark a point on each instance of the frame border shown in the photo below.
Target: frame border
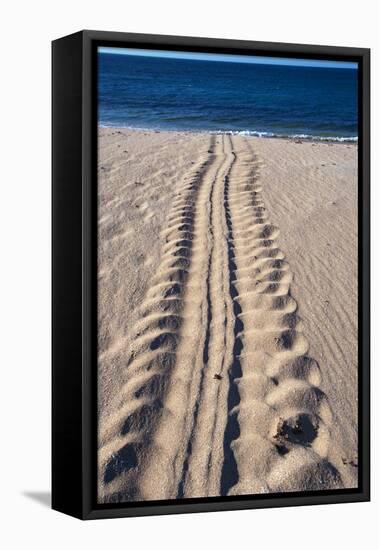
{"x": 85, "y": 505}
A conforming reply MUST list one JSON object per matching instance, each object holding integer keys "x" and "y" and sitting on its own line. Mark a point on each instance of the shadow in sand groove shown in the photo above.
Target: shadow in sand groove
{"x": 229, "y": 474}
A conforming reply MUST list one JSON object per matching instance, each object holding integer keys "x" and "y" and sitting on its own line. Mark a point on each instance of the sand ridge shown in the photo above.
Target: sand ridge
{"x": 219, "y": 395}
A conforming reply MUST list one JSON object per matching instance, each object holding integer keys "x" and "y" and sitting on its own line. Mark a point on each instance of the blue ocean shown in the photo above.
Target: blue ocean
{"x": 218, "y": 96}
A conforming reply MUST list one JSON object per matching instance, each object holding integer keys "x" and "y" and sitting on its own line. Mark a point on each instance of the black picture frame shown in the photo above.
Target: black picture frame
{"x": 74, "y": 295}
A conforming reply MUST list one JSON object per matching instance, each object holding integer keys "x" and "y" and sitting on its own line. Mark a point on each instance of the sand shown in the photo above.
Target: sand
{"x": 227, "y": 315}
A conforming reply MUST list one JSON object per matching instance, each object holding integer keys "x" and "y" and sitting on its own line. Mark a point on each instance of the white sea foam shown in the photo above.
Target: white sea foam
{"x": 309, "y": 137}
{"x": 252, "y": 133}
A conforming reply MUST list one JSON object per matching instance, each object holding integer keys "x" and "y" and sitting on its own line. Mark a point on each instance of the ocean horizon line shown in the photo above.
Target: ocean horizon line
{"x": 279, "y": 61}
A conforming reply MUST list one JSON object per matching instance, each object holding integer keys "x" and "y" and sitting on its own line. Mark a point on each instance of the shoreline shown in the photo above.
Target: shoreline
{"x": 244, "y": 133}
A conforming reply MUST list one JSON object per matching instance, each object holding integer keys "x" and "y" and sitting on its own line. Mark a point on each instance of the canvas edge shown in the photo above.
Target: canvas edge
{"x": 86, "y": 507}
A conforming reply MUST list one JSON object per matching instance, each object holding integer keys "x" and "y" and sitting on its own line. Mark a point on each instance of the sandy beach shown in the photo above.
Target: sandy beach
{"x": 227, "y": 318}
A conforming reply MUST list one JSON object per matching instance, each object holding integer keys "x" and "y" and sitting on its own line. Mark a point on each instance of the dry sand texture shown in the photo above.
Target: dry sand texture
{"x": 212, "y": 380}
